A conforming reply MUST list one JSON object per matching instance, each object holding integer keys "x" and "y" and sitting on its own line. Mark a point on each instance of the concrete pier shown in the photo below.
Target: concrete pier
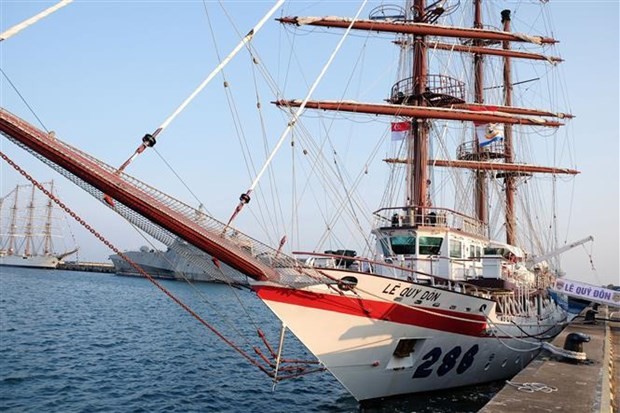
{"x": 579, "y": 387}
{"x": 86, "y": 266}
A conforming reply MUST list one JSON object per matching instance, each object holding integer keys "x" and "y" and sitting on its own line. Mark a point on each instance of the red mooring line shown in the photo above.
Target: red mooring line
{"x": 134, "y": 265}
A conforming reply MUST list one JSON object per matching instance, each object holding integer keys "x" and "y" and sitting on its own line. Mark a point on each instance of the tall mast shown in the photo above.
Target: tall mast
{"x": 425, "y": 96}
{"x": 28, "y": 244}
{"x": 509, "y": 179}
{"x": 481, "y": 184}
{"x": 13, "y": 225}
{"x": 419, "y": 134}
{"x": 47, "y": 232}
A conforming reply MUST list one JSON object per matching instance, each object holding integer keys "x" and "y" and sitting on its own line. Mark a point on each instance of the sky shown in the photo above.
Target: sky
{"x": 101, "y": 74}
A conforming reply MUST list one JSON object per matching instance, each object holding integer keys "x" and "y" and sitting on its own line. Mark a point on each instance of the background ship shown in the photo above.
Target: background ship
{"x": 159, "y": 264}
{"x": 27, "y": 230}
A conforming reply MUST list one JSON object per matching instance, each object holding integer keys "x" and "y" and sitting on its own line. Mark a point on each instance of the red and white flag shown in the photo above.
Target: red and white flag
{"x": 400, "y": 130}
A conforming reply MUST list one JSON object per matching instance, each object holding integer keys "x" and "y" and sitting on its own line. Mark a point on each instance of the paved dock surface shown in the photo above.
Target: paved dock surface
{"x": 590, "y": 386}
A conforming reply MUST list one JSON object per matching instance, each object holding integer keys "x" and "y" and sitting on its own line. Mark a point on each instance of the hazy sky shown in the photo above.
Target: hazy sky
{"x": 103, "y": 73}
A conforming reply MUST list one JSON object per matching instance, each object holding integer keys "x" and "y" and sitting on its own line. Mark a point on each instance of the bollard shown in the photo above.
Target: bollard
{"x": 574, "y": 342}
{"x": 590, "y": 317}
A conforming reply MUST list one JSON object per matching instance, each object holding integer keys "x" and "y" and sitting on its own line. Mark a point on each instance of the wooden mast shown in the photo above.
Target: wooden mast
{"x": 419, "y": 135}
{"x": 481, "y": 184}
{"x": 497, "y": 166}
{"x": 416, "y": 28}
{"x": 427, "y": 112}
{"x": 509, "y": 180}
{"x": 455, "y": 47}
{"x": 416, "y": 101}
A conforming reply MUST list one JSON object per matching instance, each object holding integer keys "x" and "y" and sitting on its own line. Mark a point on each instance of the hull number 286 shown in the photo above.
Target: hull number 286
{"x": 448, "y": 362}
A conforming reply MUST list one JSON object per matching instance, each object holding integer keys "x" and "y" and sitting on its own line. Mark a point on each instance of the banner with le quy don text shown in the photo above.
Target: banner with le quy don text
{"x": 588, "y": 292}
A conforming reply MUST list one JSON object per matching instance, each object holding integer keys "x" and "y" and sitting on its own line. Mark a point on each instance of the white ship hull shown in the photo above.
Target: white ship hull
{"x": 36, "y": 261}
{"x": 454, "y": 339}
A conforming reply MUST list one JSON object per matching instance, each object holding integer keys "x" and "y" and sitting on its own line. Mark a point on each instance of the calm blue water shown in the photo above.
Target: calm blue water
{"x": 86, "y": 342}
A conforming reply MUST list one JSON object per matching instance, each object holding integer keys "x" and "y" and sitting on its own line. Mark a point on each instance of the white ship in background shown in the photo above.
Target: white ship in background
{"x": 27, "y": 229}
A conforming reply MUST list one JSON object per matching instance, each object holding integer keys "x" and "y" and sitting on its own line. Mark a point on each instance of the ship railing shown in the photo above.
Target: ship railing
{"x": 388, "y": 12}
{"x": 472, "y": 150}
{"x": 510, "y": 306}
{"x": 400, "y": 272}
{"x": 409, "y": 217}
{"x": 438, "y": 89}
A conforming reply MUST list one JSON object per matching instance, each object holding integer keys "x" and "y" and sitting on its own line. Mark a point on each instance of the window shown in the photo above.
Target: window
{"x": 385, "y": 246}
{"x": 455, "y": 249}
{"x": 474, "y": 251}
{"x": 430, "y": 245}
{"x": 492, "y": 251}
{"x": 404, "y": 245}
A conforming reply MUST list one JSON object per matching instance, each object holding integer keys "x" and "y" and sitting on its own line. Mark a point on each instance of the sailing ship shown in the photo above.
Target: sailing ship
{"x": 445, "y": 294}
{"x": 28, "y": 230}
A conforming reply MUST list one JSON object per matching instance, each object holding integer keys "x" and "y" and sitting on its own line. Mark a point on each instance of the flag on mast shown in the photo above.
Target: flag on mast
{"x": 400, "y": 130}
{"x": 487, "y": 133}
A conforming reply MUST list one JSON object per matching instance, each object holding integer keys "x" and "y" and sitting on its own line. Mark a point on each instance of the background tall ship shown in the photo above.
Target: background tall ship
{"x": 29, "y": 224}
{"x": 449, "y": 283}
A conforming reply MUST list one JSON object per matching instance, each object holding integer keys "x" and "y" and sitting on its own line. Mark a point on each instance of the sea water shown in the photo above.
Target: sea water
{"x": 89, "y": 342}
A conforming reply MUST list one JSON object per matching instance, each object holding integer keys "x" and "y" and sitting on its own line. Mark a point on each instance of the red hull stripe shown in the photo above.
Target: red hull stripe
{"x": 437, "y": 319}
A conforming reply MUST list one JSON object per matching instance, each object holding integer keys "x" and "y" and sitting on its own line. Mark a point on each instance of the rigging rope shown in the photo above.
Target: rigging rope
{"x": 200, "y": 203}
{"x": 21, "y": 26}
{"x": 197, "y": 291}
{"x": 245, "y": 197}
{"x": 24, "y": 101}
{"x": 149, "y": 140}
